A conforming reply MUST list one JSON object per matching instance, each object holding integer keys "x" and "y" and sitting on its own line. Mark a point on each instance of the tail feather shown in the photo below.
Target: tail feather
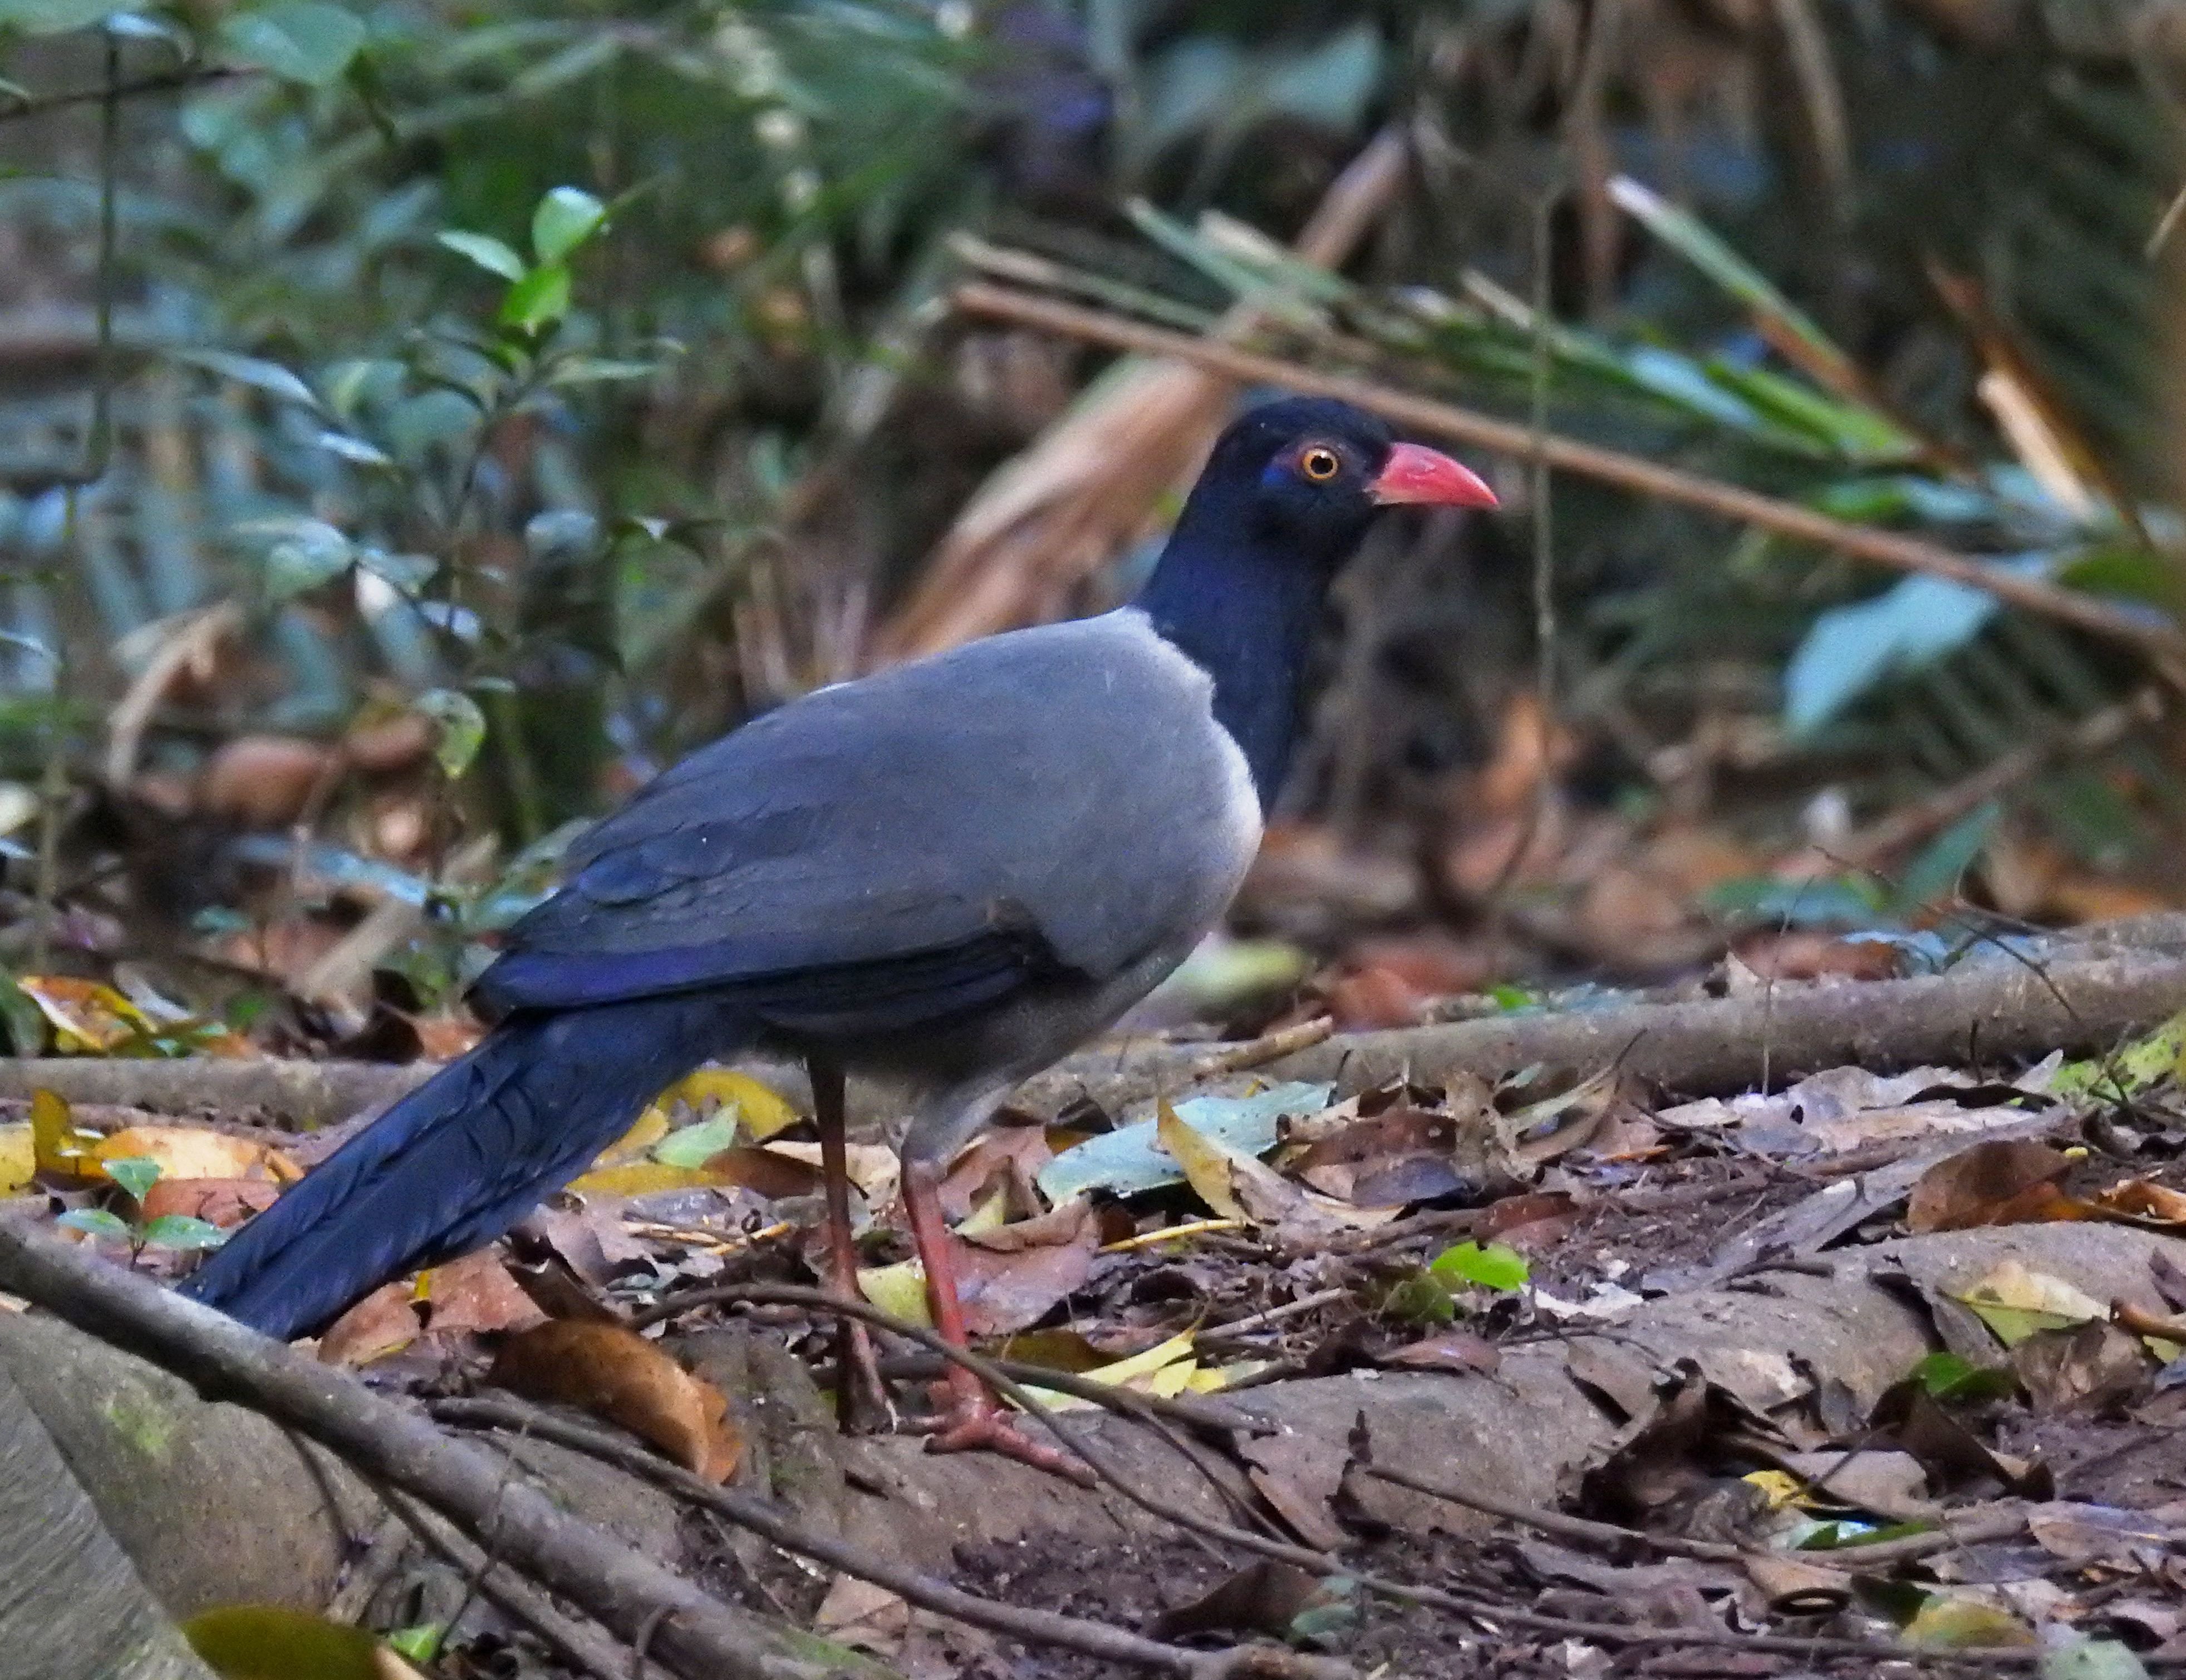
{"x": 461, "y": 1158}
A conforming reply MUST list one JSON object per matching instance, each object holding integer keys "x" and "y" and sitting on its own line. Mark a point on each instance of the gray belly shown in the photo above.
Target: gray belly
{"x": 951, "y": 1077}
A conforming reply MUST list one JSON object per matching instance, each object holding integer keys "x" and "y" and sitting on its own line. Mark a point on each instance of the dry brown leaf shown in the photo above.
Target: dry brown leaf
{"x": 2005, "y": 1183}
{"x": 863, "y": 1617}
{"x": 263, "y": 780}
{"x": 1448, "y": 1351}
{"x": 2144, "y": 1202}
{"x": 217, "y": 1201}
{"x": 765, "y": 1171}
{"x": 1008, "y": 1155}
{"x": 618, "y": 1375}
{"x": 1011, "y": 1276}
{"x": 2088, "y": 1366}
{"x": 874, "y": 1167}
{"x": 384, "y": 1322}
{"x": 476, "y": 1295}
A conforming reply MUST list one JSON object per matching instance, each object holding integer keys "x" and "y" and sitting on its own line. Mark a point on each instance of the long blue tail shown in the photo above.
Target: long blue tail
{"x": 462, "y": 1157}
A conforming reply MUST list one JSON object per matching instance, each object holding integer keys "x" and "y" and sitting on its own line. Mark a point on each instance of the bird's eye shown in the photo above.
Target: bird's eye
{"x": 1319, "y": 464}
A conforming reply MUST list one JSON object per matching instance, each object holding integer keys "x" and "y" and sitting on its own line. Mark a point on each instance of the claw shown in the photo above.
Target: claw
{"x": 974, "y": 1422}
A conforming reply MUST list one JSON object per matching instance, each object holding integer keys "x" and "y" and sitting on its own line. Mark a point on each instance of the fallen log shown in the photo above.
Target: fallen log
{"x": 2081, "y": 994}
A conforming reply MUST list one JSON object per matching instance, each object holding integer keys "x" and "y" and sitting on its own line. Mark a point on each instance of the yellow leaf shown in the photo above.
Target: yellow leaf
{"x": 1781, "y": 1488}
{"x": 2016, "y": 1302}
{"x": 637, "y": 1142}
{"x": 19, "y": 1159}
{"x": 1143, "y": 1370}
{"x": 760, "y": 1111}
{"x": 991, "y": 1215}
{"x": 1171, "y": 1380}
{"x": 1146, "y": 1362}
{"x": 56, "y": 1144}
{"x": 193, "y": 1152}
{"x": 899, "y": 1291}
{"x": 644, "y": 1177}
{"x": 1947, "y": 1623}
{"x": 88, "y": 1019}
{"x": 1206, "y": 1166}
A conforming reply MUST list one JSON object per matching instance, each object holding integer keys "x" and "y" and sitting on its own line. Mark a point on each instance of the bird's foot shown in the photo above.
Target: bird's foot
{"x": 981, "y": 1425}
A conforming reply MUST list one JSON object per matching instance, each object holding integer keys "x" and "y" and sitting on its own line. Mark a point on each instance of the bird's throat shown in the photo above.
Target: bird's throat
{"x": 1248, "y": 618}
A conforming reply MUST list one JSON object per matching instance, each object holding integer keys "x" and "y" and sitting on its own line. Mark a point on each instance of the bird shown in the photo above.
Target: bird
{"x": 943, "y": 875}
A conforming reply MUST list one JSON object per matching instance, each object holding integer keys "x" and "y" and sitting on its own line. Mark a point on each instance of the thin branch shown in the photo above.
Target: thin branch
{"x": 761, "y": 1517}
{"x": 389, "y": 1442}
{"x": 2163, "y": 641}
{"x": 1598, "y": 1535}
{"x": 171, "y": 82}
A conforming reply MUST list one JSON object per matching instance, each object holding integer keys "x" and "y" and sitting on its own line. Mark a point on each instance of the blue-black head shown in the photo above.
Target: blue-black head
{"x": 1302, "y": 479}
{"x": 1283, "y": 500}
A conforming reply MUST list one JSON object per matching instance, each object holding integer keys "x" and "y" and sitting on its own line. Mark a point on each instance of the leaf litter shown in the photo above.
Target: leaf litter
{"x": 1235, "y": 1236}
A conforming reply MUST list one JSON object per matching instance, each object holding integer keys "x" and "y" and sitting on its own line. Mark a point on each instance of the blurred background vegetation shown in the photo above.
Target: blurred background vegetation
{"x": 421, "y": 421}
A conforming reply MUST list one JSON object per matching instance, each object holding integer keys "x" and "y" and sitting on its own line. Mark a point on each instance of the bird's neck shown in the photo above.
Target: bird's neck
{"x": 1246, "y": 617}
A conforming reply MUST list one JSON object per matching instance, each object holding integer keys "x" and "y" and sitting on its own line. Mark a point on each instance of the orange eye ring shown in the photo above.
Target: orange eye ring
{"x": 1319, "y": 463}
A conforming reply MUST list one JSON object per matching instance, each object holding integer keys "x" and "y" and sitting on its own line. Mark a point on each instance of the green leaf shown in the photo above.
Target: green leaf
{"x": 1495, "y": 1267}
{"x": 408, "y": 572}
{"x": 695, "y": 1146}
{"x": 1848, "y": 650}
{"x": 437, "y": 417}
{"x": 593, "y": 370}
{"x": 487, "y": 252}
{"x": 1958, "y": 1381}
{"x": 270, "y": 377}
{"x": 307, "y": 40}
{"x": 1937, "y": 872}
{"x": 24, "y": 1021}
{"x": 420, "y": 1643}
{"x": 180, "y": 1231}
{"x": 53, "y": 17}
{"x": 95, "y": 1221}
{"x": 135, "y": 1173}
{"x": 355, "y": 448}
{"x": 271, "y": 1642}
{"x": 539, "y": 299}
{"x": 565, "y": 219}
{"x": 1131, "y": 1159}
{"x": 1419, "y": 1299}
{"x": 462, "y": 729}
{"x": 2072, "y": 1655}
{"x": 301, "y": 553}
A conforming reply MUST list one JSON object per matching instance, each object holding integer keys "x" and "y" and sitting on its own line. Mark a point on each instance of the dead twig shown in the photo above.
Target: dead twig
{"x": 589, "y": 1652}
{"x": 2162, "y": 641}
{"x": 386, "y": 1441}
{"x": 1581, "y": 1530}
{"x": 1289, "y": 1309}
{"x": 1015, "y": 1621}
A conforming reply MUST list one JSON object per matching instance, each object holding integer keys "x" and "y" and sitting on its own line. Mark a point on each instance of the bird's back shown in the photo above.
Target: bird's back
{"x": 1066, "y": 784}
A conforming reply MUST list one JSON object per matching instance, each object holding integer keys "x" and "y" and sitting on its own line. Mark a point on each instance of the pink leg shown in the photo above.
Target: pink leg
{"x": 857, "y": 1373}
{"x": 972, "y": 1419}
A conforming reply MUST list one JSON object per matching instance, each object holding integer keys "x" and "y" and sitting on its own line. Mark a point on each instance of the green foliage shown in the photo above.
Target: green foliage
{"x": 310, "y": 41}
{"x": 136, "y": 1176}
{"x": 1496, "y": 1266}
{"x": 1958, "y": 1381}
